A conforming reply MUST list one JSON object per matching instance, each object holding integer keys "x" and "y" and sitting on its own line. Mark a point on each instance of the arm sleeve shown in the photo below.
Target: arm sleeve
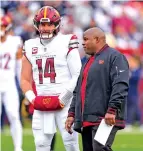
{"x": 18, "y": 69}
{"x": 74, "y": 65}
{"x": 26, "y": 51}
{"x": 119, "y": 76}
{"x": 18, "y": 58}
{"x": 71, "y": 112}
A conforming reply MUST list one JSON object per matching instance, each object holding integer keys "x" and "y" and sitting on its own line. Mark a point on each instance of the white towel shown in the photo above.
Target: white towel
{"x": 49, "y": 123}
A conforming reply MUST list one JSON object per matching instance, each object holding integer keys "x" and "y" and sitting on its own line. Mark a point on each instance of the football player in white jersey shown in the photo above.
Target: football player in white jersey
{"x": 10, "y": 66}
{"x": 52, "y": 61}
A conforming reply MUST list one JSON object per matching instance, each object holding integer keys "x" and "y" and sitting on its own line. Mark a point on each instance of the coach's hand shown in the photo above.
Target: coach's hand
{"x": 68, "y": 124}
{"x": 110, "y": 119}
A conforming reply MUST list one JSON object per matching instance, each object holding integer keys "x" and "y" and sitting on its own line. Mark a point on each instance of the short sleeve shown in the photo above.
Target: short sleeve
{"x": 73, "y": 43}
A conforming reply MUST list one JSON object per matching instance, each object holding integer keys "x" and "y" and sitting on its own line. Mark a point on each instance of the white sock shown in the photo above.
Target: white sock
{"x": 16, "y": 132}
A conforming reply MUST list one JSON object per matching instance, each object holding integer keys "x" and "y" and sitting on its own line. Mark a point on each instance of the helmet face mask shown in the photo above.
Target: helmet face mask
{"x": 46, "y": 34}
{"x": 47, "y": 16}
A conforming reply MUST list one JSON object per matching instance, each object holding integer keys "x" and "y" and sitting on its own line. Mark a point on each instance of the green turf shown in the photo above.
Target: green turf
{"x": 123, "y": 142}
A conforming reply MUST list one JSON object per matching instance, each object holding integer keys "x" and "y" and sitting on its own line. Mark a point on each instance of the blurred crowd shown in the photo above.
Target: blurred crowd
{"x": 121, "y": 20}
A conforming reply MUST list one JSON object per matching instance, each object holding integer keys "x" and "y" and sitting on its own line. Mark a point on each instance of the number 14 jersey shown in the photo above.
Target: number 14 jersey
{"x": 52, "y": 66}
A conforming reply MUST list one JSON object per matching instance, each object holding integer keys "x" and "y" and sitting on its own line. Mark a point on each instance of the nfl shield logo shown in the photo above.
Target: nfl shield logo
{"x": 34, "y": 50}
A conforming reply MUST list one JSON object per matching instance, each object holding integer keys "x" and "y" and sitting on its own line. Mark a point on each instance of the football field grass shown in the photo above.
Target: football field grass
{"x": 124, "y": 141}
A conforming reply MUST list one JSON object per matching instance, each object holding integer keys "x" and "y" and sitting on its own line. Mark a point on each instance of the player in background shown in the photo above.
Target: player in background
{"x": 10, "y": 66}
{"x": 53, "y": 60}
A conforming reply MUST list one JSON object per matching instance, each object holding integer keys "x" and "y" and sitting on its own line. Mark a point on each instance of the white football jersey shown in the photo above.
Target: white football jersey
{"x": 8, "y": 51}
{"x": 51, "y": 71}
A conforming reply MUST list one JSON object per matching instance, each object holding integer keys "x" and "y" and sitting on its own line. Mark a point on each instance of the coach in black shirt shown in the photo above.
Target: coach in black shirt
{"x": 101, "y": 91}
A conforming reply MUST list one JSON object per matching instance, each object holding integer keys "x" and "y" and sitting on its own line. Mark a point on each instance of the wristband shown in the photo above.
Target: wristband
{"x": 30, "y": 95}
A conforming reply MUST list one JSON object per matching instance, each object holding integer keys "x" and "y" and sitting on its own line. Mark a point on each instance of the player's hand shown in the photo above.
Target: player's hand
{"x": 68, "y": 124}
{"x": 61, "y": 104}
{"x": 29, "y": 107}
{"x": 110, "y": 119}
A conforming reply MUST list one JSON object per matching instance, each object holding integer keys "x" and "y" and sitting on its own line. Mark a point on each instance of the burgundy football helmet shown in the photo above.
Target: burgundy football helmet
{"x": 5, "y": 22}
{"x": 48, "y": 15}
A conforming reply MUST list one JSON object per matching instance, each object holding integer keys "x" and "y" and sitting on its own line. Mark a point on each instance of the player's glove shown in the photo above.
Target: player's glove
{"x": 47, "y": 103}
{"x": 65, "y": 97}
{"x": 29, "y": 107}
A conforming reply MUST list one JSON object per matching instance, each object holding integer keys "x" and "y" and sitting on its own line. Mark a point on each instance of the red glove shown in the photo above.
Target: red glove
{"x": 47, "y": 103}
{"x": 31, "y": 109}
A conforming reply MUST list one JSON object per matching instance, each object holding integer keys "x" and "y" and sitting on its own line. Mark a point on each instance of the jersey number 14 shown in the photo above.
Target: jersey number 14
{"x": 49, "y": 70}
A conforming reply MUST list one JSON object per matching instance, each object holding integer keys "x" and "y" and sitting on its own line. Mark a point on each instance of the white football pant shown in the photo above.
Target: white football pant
{"x": 43, "y": 141}
{"x": 10, "y": 99}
